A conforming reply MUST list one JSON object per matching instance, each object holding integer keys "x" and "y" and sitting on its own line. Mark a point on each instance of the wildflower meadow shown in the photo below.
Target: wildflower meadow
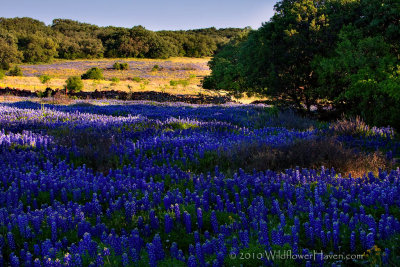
{"x": 112, "y": 183}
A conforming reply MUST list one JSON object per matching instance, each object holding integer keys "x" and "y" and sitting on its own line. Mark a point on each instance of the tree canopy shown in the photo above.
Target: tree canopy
{"x": 29, "y": 40}
{"x": 345, "y": 52}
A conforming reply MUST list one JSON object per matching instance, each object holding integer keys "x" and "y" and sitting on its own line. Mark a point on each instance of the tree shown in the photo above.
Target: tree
{"x": 9, "y": 53}
{"x": 275, "y": 60}
{"x": 93, "y": 74}
{"x": 36, "y": 48}
{"x": 74, "y": 84}
{"x": 225, "y": 67}
{"x": 362, "y": 78}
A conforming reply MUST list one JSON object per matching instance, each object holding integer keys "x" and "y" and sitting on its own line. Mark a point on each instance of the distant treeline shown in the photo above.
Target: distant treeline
{"x": 31, "y": 41}
{"x": 342, "y": 52}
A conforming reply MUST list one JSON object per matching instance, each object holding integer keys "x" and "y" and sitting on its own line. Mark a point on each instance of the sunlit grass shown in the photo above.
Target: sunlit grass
{"x": 178, "y": 76}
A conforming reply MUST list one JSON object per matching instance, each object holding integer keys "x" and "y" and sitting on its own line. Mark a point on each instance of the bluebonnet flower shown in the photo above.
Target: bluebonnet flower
{"x": 263, "y": 236}
{"x": 152, "y": 254}
{"x": 353, "y": 241}
{"x": 158, "y": 247}
{"x": 244, "y": 238}
{"x": 385, "y": 257}
{"x": 37, "y": 263}
{"x": 196, "y": 237}
{"x": 153, "y": 220}
{"x": 188, "y": 222}
{"x": 174, "y": 250}
{"x": 106, "y": 251}
{"x": 168, "y": 223}
{"x": 192, "y": 261}
{"x": 99, "y": 260}
{"x": 214, "y": 222}
{"x": 14, "y": 260}
{"x": 177, "y": 212}
{"x": 370, "y": 242}
{"x": 125, "y": 259}
{"x": 200, "y": 218}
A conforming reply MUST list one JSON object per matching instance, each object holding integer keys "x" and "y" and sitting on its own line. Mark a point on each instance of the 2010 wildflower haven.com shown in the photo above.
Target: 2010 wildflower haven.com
{"x": 289, "y": 255}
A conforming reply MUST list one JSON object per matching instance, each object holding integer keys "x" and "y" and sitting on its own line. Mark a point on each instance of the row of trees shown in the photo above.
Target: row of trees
{"x": 31, "y": 41}
{"x": 345, "y": 52}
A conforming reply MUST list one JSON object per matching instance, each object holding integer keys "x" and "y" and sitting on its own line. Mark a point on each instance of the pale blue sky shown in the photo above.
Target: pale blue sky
{"x": 154, "y": 15}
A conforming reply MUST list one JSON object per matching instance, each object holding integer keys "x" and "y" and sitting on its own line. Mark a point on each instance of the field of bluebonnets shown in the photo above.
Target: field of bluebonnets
{"x": 147, "y": 184}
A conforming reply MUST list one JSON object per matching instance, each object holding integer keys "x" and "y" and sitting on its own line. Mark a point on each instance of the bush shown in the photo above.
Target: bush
{"x": 208, "y": 83}
{"x": 2, "y": 74}
{"x": 93, "y": 74}
{"x": 121, "y": 66}
{"x": 137, "y": 79}
{"x": 156, "y": 68}
{"x": 184, "y": 83}
{"x": 311, "y": 154}
{"x": 16, "y": 71}
{"x": 74, "y": 84}
{"x": 115, "y": 80}
{"x": 4, "y": 66}
{"x": 44, "y": 78}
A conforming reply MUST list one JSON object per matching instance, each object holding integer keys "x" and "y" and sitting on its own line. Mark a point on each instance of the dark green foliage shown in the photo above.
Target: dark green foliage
{"x": 74, "y": 84}
{"x": 2, "y": 74}
{"x": 137, "y": 79}
{"x": 313, "y": 51}
{"x": 93, "y": 74}
{"x": 16, "y": 71}
{"x": 184, "y": 83}
{"x": 156, "y": 68}
{"x": 362, "y": 77}
{"x": 36, "y": 48}
{"x": 115, "y": 80}
{"x": 121, "y": 66}
{"x": 8, "y": 50}
{"x": 226, "y": 68}
{"x": 44, "y": 78}
{"x": 32, "y": 41}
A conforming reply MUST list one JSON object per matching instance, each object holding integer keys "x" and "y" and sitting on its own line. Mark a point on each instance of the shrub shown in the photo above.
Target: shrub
{"x": 121, "y": 66}
{"x": 311, "y": 154}
{"x": 16, "y": 71}
{"x": 2, "y": 74}
{"x": 115, "y": 80}
{"x": 4, "y": 66}
{"x": 93, "y": 74}
{"x": 137, "y": 79}
{"x": 184, "y": 83}
{"x": 74, "y": 84}
{"x": 354, "y": 126}
{"x": 156, "y": 68}
{"x": 44, "y": 78}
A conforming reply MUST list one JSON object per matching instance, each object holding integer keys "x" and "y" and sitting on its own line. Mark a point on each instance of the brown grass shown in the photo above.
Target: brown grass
{"x": 311, "y": 154}
{"x": 353, "y": 126}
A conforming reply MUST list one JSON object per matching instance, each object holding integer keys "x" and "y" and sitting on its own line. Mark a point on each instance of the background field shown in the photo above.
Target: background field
{"x": 141, "y": 77}
{"x": 191, "y": 69}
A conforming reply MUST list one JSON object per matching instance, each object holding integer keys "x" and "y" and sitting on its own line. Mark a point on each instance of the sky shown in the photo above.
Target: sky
{"x": 152, "y": 14}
